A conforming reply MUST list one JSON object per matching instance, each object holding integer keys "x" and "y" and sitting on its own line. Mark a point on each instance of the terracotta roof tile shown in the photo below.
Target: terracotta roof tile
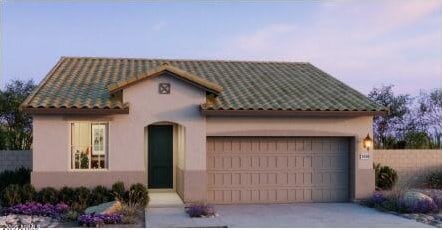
{"x": 84, "y": 83}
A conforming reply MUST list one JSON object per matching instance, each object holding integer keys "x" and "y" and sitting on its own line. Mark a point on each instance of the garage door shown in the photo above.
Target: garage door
{"x": 277, "y": 169}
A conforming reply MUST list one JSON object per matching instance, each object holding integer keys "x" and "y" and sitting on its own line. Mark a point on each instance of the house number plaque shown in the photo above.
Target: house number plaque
{"x": 364, "y": 156}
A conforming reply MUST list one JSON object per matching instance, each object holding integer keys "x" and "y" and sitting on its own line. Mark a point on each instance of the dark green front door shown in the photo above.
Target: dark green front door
{"x": 160, "y": 156}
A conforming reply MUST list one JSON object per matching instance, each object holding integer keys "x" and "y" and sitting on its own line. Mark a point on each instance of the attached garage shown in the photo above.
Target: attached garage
{"x": 278, "y": 169}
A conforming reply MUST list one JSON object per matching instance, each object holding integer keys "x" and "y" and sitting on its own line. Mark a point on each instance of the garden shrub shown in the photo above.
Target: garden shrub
{"x": 19, "y": 176}
{"x": 434, "y": 180}
{"x": 118, "y": 189}
{"x": 136, "y": 197}
{"x": 67, "y": 195}
{"x": 138, "y": 194}
{"x": 99, "y": 195}
{"x": 77, "y": 198}
{"x": 386, "y": 177}
{"x": 404, "y": 203}
{"x": 129, "y": 214}
{"x": 375, "y": 200}
{"x": 200, "y": 210}
{"x": 81, "y": 199}
{"x": 48, "y": 195}
{"x": 28, "y": 193}
{"x": 11, "y": 195}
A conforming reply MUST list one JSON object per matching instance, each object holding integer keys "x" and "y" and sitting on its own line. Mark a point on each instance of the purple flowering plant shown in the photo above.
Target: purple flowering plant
{"x": 378, "y": 198}
{"x": 200, "y": 210}
{"x": 97, "y": 220}
{"x": 422, "y": 206}
{"x": 37, "y": 209}
{"x": 437, "y": 199}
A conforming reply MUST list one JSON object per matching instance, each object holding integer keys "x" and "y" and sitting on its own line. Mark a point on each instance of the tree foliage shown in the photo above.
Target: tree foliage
{"x": 412, "y": 122}
{"x": 387, "y": 127}
{"x": 15, "y": 126}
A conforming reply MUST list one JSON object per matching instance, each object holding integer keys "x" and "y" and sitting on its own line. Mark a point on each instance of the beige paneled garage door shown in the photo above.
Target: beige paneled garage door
{"x": 277, "y": 169}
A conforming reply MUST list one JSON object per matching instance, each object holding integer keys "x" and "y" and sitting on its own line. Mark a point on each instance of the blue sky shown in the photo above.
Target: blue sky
{"x": 363, "y": 43}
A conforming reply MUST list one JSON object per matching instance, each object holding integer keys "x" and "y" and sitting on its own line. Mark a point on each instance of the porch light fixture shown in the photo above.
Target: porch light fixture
{"x": 368, "y": 142}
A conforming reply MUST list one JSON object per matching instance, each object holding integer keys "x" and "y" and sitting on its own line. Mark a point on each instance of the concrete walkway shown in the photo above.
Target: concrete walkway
{"x": 332, "y": 215}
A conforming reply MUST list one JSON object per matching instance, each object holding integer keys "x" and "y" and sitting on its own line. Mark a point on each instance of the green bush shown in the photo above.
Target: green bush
{"x": 81, "y": 199}
{"x": 67, "y": 195}
{"x": 99, "y": 195}
{"x": 434, "y": 180}
{"x": 11, "y": 195}
{"x": 417, "y": 140}
{"x": 28, "y": 193}
{"x": 118, "y": 189}
{"x": 386, "y": 177}
{"x": 138, "y": 194}
{"x": 48, "y": 195}
{"x": 19, "y": 176}
{"x": 78, "y": 198}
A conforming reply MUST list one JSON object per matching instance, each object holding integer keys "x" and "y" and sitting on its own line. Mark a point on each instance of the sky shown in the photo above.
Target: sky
{"x": 365, "y": 44}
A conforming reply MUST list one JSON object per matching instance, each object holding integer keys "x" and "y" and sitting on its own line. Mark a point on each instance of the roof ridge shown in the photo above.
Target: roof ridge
{"x": 183, "y": 59}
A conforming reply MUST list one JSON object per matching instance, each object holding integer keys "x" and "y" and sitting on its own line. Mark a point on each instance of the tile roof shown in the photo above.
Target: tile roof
{"x": 83, "y": 82}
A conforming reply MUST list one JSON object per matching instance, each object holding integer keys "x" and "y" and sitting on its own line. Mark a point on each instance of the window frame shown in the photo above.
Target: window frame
{"x": 106, "y": 146}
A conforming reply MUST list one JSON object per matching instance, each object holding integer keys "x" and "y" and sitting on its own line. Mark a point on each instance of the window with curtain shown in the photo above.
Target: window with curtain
{"x": 89, "y": 148}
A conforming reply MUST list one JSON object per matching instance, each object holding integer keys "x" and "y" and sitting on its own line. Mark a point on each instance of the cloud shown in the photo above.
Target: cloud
{"x": 361, "y": 43}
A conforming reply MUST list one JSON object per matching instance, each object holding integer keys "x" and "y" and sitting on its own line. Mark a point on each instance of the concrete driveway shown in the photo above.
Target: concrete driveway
{"x": 324, "y": 215}
{"x": 332, "y": 215}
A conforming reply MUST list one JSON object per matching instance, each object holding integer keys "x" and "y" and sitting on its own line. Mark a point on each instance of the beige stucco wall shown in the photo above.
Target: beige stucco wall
{"x": 412, "y": 165}
{"x": 355, "y": 127}
{"x": 127, "y": 139}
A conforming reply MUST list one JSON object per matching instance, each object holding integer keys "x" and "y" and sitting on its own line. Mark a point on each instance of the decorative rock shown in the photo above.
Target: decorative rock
{"x": 53, "y": 224}
{"x": 25, "y": 220}
{"x": 42, "y": 221}
{"x": 11, "y": 219}
{"x": 429, "y": 218}
{"x": 104, "y": 208}
{"x": 411, "y": 197}
{"x": 2, "y": 221}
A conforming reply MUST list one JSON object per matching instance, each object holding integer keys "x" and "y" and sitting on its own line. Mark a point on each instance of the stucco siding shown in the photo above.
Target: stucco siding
{"x": 50, "y": 144}
{"x": 127, "y": 138}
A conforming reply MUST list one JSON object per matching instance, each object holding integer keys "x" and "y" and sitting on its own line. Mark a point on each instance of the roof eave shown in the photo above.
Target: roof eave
{"x": 290, "y": 113}
{"x": 74, "y": 111}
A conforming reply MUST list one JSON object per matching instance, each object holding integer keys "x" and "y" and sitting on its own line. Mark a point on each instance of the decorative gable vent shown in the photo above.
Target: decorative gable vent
{"x": 164, "y": 88}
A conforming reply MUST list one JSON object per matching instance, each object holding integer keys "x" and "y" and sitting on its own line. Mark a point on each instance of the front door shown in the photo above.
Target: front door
{"x": 160, "y": 160}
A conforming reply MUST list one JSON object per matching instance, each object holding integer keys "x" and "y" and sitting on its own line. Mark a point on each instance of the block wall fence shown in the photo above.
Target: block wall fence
{"x": 412, "y": 165}
{"x": 13, "y": 159}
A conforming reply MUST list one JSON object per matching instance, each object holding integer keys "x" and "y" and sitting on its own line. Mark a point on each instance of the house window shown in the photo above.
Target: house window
{"x": 89, "y": 145}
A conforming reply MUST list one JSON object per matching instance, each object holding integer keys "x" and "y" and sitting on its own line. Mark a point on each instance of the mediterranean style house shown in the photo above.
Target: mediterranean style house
{"x": 215, "y": 131}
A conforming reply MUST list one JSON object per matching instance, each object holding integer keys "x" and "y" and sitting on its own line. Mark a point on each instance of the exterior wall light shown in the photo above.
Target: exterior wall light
{"x": 368, "y": 142}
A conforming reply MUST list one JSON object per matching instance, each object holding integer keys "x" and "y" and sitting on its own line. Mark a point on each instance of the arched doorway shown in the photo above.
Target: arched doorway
{"x": 165, "y": 156}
